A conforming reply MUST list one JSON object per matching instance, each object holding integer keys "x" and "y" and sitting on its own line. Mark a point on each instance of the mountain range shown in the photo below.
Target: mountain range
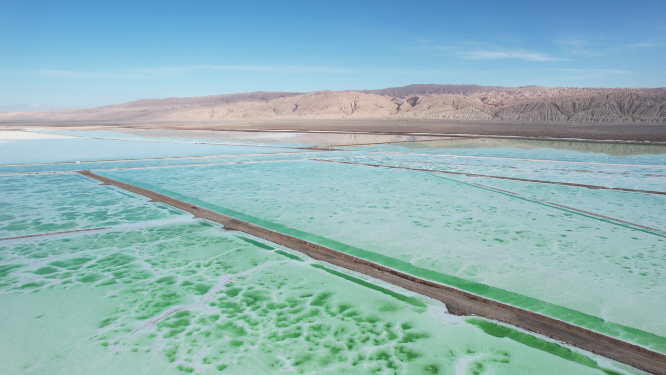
{"x": 423, "y": 101}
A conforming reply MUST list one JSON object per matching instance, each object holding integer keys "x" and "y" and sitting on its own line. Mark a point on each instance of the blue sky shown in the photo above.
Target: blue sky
{"x": 91, "y": 53}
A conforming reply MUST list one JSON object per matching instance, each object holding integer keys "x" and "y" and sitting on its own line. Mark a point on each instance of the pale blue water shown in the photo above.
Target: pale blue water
{"x": 85, "y": 149}
{"x": 57, "y": 203}
{"x": 654, "y": 155}
{"x": 641, "y": 177}
{"x": 638, "y": 208}
{"x": 242, "y": 158}
{"x": 156, "y": 297}
{"x": 583, "y": 263}
{"x": 276, "y": 138}
{"x": 272, "y": 139}
{"x": 158, "y": 292}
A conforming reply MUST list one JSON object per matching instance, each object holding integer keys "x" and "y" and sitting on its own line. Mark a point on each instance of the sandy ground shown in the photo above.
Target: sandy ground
{"x": 458, "y": 302}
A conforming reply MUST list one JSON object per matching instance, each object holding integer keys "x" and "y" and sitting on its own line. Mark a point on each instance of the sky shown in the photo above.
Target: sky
{"x": 76, "y": 54}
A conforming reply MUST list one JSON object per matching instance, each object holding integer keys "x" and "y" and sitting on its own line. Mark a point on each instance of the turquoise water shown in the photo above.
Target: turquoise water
{"x": 86, "y": 149}
{"x": 32, "y": 205}
{"x": 450, "y": 231}
{"x": 638, "y": 208}
{"x": 275, "y": 138}
{"x": 23, "y": 168}
{"x": 533, "y": 150}
{"x": 190, "y": 297}
{"x": 641, "y": 177}
{"x": 158, "y": 292}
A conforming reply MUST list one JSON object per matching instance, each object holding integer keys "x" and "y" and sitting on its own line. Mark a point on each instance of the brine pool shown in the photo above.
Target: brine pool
{"x": 148, "y": 289}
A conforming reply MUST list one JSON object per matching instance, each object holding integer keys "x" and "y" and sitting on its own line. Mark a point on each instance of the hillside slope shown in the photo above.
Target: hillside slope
{"x": 457, "y": 102}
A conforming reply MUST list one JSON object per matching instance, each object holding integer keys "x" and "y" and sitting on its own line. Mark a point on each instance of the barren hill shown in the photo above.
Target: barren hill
{"x": 458, "y": 102}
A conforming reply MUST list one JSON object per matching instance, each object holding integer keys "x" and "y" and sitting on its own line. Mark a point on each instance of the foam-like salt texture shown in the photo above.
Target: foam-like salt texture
{"x": 639, "y": 208}
{"x": 587, "y": 152}
{"x": 158, "y": 293}
{"x": 278, "y": 139}
{"x": 158, "y": 163}
{"x": 85, "y": 149}
{"x": 641, "y": 177}
{"x": 190, "y": 297}
{"x": 64, "y": 202}
{"x": 434, "y": 227}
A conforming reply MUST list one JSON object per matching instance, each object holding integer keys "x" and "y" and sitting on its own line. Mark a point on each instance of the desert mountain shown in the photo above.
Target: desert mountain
{"x": 457, "y": 102}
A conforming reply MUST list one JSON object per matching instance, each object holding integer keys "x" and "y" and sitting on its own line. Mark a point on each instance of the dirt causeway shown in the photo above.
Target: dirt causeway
{"x": 458, "y": 302}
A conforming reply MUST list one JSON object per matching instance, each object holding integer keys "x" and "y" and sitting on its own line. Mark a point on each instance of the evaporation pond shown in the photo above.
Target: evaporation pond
{"x": 572, "y": 151}
{"x": 431, "y": 225}
{"x": 87, "y": 149}
{"x": 190, "y": 297}
{"x": 37, "y": 204}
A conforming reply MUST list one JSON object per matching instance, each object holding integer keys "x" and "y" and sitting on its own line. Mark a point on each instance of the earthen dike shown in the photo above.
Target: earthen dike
{"x": 457, "y": 301}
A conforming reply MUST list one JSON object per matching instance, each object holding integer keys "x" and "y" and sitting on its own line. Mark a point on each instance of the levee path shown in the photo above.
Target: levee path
{"x": 457, "y": 301}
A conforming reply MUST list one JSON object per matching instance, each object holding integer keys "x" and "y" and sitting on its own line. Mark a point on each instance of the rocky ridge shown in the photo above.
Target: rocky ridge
{"x": 455, "y": 102}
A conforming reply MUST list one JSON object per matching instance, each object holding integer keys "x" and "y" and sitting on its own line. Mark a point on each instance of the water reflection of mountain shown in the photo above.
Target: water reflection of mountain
{"x": 312, "y": 139}
{"x": 614, "y": 149}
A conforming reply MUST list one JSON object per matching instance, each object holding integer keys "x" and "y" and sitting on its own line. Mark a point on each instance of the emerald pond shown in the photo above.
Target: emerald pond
{"x": 437, "y": 227}
{"x": 150, "y": 290}
{"x": 192, "y": 297}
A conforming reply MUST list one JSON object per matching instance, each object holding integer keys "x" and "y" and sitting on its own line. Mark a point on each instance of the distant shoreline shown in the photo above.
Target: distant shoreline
{"x": 633, "y": 133}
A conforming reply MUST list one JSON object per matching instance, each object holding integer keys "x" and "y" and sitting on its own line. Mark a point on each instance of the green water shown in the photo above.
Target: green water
{"x": 581, "y": 269}
{"x": 57, "y": 203}
{"x": 639, "y": 208}
{"x": 646, "y": 173}
{"x": 157, "y": 292}
{"x": 189, "y": 297}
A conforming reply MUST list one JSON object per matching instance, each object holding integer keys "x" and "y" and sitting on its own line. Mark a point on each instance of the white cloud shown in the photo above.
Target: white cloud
{"x": 573, "y": 41}
{"x": 471, "y": 50}
{"x": 274, "y": 68}
{"x": 75, "y": 74}
{"x": 495, "y": 55}
{"x": 598, "y": 71}
{"x": 163, "y": 71}
{"x": 644, "y": 45}
{"x": 171, "y": 71}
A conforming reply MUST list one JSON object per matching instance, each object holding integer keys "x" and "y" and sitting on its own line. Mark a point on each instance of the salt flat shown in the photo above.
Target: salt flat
{"x": 6, "y": 135}
{"x": 168, "y": 293}
{"x": 188, "y": 296}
